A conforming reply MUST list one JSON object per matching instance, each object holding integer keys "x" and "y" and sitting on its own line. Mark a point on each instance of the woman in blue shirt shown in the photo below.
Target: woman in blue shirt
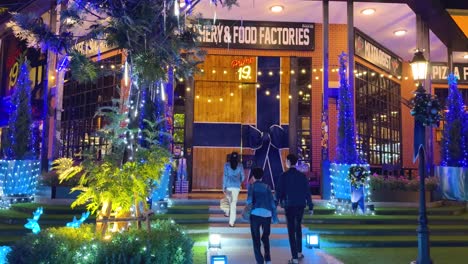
{"x": 262, "y": 215}
{"x": 233, "y": 178}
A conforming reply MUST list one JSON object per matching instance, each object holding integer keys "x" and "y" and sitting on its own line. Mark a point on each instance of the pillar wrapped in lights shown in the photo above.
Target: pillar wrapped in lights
{"x": 342, "y": 192}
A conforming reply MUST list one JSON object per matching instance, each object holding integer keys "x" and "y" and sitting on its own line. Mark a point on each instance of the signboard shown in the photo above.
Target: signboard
{"x": 92, "y": 47}
{"x": 376, "y": 54}
{"x": 236, "y": 34}
{"x": 14, "y": 49}
{"x": 440, "y": 71}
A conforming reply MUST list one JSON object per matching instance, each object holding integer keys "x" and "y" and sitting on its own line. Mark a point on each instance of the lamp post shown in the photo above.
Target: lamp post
{"x": 419, "y": 68}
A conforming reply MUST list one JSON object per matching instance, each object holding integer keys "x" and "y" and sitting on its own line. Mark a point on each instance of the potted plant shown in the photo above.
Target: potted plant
{"x": 453, "y": 170}
{"x": 20, "y": 170}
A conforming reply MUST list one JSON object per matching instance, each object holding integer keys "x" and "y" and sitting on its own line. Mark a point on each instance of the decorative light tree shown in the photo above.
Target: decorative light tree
{"x": 454, "y": 151}
{"x": 19, "y": 172}
{"x": 349, "y": 174}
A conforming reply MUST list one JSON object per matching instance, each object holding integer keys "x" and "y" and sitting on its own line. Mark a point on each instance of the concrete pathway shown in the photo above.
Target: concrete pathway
{"x": 236, "y": 244}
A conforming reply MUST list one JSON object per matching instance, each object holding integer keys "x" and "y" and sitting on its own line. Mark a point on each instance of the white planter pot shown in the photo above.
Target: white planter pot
{"x": 339, "y": 177}
{"x": 453, "y": 182}
{"x": 18, "y": 177}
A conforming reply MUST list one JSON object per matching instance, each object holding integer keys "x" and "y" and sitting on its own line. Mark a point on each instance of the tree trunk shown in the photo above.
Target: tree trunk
{"x": 103, "y": 215}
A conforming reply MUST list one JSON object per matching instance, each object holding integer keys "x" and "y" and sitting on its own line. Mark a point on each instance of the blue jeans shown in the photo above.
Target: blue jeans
{"x": 255, "y": 223}
{"x": 293, "y": 219}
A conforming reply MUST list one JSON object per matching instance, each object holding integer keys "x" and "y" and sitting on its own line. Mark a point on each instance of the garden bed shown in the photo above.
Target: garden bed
{"x": 399, "y": 196}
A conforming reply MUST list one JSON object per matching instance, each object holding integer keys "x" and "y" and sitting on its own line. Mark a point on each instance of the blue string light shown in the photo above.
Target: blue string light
{"x": 77, "y": 223}
{"x": 347, "y": 155}
{"x": 32, "y": 223}
{"x": 20, "y": 106}
{"x": 454, "y": 129}
{"x": 346, "y": 145}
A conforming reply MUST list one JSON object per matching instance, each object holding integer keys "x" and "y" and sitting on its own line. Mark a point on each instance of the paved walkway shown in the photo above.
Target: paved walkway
{"x": 236, "y": 244}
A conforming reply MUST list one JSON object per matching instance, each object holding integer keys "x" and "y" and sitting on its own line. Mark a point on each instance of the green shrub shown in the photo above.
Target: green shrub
{"x": 165, "y": 243}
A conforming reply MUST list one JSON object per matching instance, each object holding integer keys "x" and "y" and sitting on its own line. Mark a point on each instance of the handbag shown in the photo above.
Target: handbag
{"x": 246, "y": 212}
{"x": 248, "y": 208}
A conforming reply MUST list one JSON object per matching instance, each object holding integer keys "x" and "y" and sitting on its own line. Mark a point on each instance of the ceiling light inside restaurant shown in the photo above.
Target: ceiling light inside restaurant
{"x": 368, "y": 11}
{"x": 276, "y": 8}
{"x": 400, "y": 32}
{"x": 465, "y": 56}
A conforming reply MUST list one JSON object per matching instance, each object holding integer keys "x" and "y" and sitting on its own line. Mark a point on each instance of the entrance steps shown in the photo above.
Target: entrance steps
{"x": 393, "y": 225}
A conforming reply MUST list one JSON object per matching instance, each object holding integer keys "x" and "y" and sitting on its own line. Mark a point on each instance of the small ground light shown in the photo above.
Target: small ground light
{"x": 222, "y": 259}
{"x": 312, "y": 240}
{"x": 214, "y": 241}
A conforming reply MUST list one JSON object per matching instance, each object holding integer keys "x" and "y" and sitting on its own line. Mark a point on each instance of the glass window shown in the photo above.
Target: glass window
{"x": 304, "y": 85}
{"x": 378, "y": 117}
{"x": 80, "y": 102}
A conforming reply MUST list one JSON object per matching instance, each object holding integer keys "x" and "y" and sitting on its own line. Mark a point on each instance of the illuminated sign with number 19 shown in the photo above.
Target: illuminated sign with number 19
{"x": 245, "y": 72}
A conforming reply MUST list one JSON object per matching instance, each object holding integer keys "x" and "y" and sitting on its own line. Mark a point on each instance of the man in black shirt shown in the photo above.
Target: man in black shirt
{"x": 293, "y": 193}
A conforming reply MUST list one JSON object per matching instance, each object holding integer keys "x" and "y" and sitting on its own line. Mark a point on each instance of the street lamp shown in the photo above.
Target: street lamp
{"x": 419, "y": 69}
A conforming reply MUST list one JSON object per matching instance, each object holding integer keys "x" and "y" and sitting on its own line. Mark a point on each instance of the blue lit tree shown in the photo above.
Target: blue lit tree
{"x": 19, "y": 136}
{"x": 454, "y": 149}
{"x": 346, "y": 147}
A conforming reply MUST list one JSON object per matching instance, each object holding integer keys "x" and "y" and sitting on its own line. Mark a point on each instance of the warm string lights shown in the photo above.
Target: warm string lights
{"x": 316, "y": 73}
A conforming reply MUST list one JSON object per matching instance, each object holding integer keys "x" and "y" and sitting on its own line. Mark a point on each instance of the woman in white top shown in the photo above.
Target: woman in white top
{"x": 233, "y": 178}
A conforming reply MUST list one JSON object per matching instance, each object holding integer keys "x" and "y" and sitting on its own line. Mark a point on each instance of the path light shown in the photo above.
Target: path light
{"x": 222, "y": 259}
{"x": 312, "y": 240}
{"x": 214, "y": 241}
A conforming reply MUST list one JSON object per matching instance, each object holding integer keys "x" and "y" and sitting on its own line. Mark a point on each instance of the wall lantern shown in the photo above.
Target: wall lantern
{"x": 419, "y": 66}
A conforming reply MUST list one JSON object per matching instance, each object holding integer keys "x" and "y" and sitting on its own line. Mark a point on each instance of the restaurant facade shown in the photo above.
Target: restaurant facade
{"x": 260, "y": 92}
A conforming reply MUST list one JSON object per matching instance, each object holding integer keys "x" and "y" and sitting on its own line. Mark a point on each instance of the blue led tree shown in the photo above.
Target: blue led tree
{"x": 454, "y": 151}
{"x": 18, "y": 142}
{"x": 346, "y": 146}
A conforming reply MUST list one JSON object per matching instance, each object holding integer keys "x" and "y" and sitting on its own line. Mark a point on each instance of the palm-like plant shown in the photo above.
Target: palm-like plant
{"x": 110, "y": 185}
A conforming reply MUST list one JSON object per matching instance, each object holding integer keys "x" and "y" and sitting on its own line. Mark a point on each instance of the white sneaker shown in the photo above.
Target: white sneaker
{"x": 293, "y": 261}
{"x": 267, "y": 262}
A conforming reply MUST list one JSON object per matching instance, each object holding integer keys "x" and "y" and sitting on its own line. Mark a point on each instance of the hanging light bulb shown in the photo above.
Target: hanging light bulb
{"x": 176, "y": 8}
{"x": 126, "y": 73}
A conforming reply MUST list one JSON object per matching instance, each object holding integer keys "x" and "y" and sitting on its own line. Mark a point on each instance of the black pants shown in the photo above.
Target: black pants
{"x": 294, "y": 220}
{"x": 255, "y": 223}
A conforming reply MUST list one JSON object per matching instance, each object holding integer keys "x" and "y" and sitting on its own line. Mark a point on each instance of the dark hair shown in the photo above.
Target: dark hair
{"x": 292, "y": 159}
{"x": 257, "y": 173}
{"x": 234, "y": 160}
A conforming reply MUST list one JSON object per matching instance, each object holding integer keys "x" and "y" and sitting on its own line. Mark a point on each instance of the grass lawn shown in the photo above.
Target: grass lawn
{"x": 396, "y": 255}
{"x": 199, "y": 254}
{"x": 382, "y": 227}
{"x": 386, "y": 217}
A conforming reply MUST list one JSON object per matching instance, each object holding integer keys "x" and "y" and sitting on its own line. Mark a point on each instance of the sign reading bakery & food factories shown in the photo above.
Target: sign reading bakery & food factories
{"x": 374, "y": 53}
{"x": 440, "y": 71}
{"x": 257, "y": 35}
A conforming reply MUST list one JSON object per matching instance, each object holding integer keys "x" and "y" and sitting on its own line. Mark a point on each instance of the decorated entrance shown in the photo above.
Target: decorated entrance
{"x": 241, "y": 103}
